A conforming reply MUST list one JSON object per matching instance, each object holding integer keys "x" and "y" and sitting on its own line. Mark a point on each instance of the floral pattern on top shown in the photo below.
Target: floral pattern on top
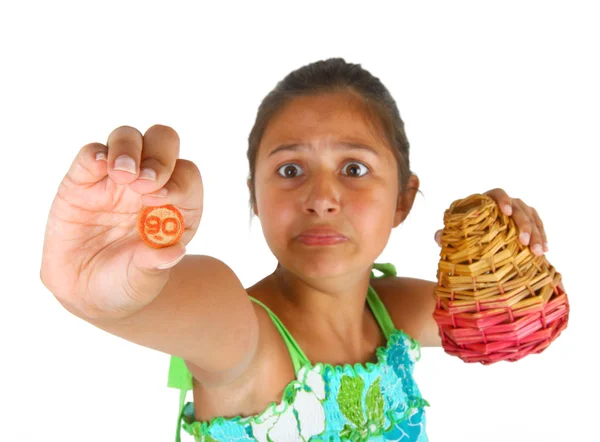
{"x": 362, "y": 402}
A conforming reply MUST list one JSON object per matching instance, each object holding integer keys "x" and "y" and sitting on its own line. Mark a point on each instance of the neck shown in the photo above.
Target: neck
{"x": 334, "y": 308}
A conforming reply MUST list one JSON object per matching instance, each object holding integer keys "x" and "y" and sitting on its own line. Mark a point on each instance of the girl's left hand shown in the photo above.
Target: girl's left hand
{"x": 526, "y": 218}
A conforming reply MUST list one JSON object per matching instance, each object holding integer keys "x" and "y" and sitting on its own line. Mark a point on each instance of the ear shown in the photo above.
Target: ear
{"x": 406, "y": 198}
{"x": 254, "y": 209}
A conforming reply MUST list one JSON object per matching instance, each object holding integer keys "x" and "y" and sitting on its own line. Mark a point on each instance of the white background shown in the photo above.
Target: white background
{"x": 493, "y": 95}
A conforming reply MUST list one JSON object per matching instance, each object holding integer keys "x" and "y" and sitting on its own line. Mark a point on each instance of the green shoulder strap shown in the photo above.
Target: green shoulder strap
{"x": 387, "y": 269}
{"x": 379, "y": 311}
{"x": 180, "y": 378}
{"x": 299, "y": 359}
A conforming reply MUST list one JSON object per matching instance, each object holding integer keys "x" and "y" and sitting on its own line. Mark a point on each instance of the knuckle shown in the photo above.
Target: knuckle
{"x": 187, "y": 176}
{"x": 165, "y": 132}
{"x": 91, "y": 147}
{"x": 186, "y": 170}
{"x": 157, "y": 163}
{"x": 189, "y": 166}
{"x": 124, "y": 140}
{"x": 124, "y": 132}
{"x": 493, "y": 193}
{"x": 178, "y": 177}
{"x": 526, "y": 226}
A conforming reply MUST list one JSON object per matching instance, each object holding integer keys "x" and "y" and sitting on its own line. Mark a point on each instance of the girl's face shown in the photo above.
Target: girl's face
{"x": 321, "y": 166}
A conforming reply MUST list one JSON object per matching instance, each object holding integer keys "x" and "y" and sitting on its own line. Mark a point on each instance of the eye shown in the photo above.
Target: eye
{"x": 289, "y": 170}
{"x": 354, "y": 169}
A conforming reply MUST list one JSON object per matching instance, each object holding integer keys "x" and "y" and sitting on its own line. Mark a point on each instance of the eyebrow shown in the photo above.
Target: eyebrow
{"x": 343, "y": 144}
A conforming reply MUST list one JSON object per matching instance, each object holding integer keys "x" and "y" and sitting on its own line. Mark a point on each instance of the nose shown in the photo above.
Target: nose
{"x": 323, "y": 196}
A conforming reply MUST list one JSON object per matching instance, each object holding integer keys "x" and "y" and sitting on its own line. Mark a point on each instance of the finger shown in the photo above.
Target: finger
{"x": 185, "y": 191}
{"x": 526, "y": 222}
{"x": 522, "y": 220}
{"x": 535, "y": 243}
{"x": 86, "y": 169}
{"x": 502, "y": 199}
{"x": 124, "y": 150}
{"x": 184, "y": 188}
{"x": 540, "y": 226}
{"x": 437, "y": 237}
{"x": 540, "y": 243}
{"x": 157, "y": 160}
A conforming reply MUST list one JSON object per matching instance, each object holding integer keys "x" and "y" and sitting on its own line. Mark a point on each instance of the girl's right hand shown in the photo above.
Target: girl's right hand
{"x": 93, "y": 258}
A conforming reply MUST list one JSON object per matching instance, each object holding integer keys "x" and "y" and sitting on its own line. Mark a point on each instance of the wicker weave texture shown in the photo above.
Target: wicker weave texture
{"x": 496, "y": 300}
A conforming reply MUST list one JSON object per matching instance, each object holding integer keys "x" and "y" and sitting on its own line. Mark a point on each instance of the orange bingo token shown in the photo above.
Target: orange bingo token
{"x": 160, "y": 226}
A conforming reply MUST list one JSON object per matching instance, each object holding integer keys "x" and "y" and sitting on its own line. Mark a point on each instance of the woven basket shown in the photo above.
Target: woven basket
{"x": 496, "y": 300}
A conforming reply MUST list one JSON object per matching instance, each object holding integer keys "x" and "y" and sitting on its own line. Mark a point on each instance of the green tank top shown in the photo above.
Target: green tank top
{"x": 330, "y": 394}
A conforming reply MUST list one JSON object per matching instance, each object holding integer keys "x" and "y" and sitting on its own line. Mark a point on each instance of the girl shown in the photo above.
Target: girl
{"x": 322, "y": 348}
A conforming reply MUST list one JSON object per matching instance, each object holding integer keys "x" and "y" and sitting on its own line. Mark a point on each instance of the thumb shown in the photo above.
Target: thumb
{"x": 149, "y": 258}
{"x": 148, "y": 272}
{"x": 171, "y": 263}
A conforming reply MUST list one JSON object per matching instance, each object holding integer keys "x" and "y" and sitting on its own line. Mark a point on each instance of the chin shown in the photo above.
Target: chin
{"x": 320, "y": 265}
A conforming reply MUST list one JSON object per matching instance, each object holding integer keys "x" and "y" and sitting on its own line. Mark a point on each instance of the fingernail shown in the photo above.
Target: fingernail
{"x": 160, "y": 193}
{"x": 507, "y": 210}
{"x": 170, "y": 264}
{"x": 437, "y": 236}
{"x": 100, "y": 156}
{"x": 125, "y": 163}
{"x": 545, "y": 247}
{"x": 148, "y": 174}
{"x": 537, "y": 250}
{"x": 524, "y": 237}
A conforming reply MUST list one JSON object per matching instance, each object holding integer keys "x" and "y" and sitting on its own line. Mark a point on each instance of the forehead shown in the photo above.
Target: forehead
{"x": 319, "y": 119}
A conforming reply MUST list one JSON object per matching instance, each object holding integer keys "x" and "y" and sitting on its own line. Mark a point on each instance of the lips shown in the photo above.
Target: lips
{"x": 321, "y": 232}
{"x": 321, "y": 236}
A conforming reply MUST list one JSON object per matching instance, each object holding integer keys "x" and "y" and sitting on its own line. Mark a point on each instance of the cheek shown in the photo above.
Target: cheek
{"x": 276, "y": 211}
{"x": 371, "y": 214}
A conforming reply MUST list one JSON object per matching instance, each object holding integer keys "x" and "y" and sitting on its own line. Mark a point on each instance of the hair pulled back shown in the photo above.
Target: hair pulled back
{"x": 331, "y": 76}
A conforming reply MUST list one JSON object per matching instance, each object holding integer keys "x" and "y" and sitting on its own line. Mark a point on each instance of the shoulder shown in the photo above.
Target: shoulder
{"x": 410, "y": 303}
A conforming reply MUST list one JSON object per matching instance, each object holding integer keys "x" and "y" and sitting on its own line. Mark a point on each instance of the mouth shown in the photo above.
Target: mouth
{"x": 321, "y": 237}
{"x": 321, "y": 240}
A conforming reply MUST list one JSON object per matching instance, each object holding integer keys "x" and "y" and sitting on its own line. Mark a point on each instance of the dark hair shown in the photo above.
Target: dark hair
{"x": 330, "y": 76}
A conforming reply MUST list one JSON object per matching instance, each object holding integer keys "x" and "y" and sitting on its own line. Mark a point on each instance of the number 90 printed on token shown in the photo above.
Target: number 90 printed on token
{"x": 160, "y": 226}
